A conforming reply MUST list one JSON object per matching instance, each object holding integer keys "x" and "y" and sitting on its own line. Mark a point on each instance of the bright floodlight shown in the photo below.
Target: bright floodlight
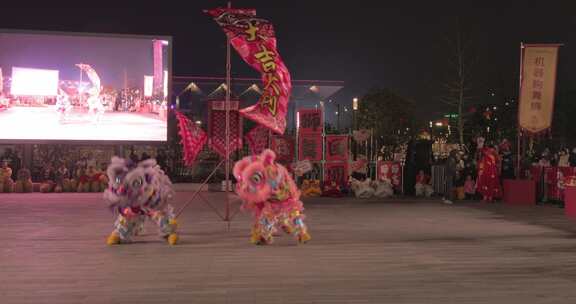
{"x": 165, "y": 84}
{"x": 34, "y": 82}
{"x": 148, "y": 84}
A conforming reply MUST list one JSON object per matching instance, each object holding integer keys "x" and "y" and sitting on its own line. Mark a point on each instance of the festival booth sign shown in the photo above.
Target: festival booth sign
{"x": 255, "y": 41}
{"x": 537, "y": 88}
{"x": 217, "y": 127}
{"x": 392, "y": 171}
{"x": 336, "y": 172}
{"x": 336, "y": 148}
{"x": 310, "y": 147}
{"x": 283, "y": 146}
{"x": 257, "y": 139}
{"x": 192, "y": 137}
{"x": 310, "y": 121}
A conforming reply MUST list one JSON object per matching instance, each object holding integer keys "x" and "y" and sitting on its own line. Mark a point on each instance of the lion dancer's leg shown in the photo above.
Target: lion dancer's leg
{"x": 166, "y": 223}
{"x": 99, "y": 110}
{"x": 300, "y": 229}
{"x": 126, "y": 226}
{"x": 95, "y": 108}
{"x": 285, "y": 223}
{"x": 264, "y": 228}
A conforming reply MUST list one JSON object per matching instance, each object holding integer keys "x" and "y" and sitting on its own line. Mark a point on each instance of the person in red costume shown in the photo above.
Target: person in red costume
{"x": 489, "y": 175}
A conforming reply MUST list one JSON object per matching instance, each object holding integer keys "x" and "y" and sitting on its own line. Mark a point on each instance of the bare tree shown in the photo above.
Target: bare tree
{"x": 458, "y": 83}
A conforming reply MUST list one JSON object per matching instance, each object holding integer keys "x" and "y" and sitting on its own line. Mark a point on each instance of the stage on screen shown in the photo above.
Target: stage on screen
{"x": 83, "y": 87}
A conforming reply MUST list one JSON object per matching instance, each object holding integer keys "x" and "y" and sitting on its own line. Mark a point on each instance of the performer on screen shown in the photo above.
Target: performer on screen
{"x": 63, "y": 105}
{"x": 94, "y": 101}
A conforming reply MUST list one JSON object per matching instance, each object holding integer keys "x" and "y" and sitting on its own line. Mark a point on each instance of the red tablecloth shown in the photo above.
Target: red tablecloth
{"x": 519, "y": 192}
{"x": 570, "y": 201}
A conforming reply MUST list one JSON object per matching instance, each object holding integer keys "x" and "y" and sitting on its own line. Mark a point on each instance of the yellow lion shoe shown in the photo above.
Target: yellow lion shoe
{"x": 113, "y": 239}
{"x": 287, "y": 229}
{"x": 254, "y": 238}
{"x": 304, "y": 238}
{"x": 173, "y": 239}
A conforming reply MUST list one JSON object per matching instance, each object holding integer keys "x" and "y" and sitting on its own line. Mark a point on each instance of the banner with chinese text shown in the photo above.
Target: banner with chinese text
{"x": 310, "y": 147}
{"x": 337, "y": 148}
{"x": 258, "y": 139}
{"x": 537, "y": 89}
{"x": 310, "y": 121}
{"x": 255, "y": 41}
{"x": 192, "y": 137}
{"x": 283, "y": 146}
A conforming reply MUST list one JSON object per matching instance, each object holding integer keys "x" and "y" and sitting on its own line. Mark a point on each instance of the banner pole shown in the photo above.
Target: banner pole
{"x": 228, "y": 81}
{"x": 519, "y": 131}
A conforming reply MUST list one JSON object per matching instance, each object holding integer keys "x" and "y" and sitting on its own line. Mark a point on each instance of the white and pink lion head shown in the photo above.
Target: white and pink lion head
{"x": 260, "y": 179}
{"x": 137, "y": 185}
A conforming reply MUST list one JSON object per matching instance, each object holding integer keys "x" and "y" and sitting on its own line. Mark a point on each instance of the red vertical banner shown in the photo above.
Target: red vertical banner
{"x": 392, "y": 171}
{"x": 158, "y": 67}
{"x": 309, "y": 121}
{"x": 283, "y": 146}
{"x": 337, "y": 148}
{"x": 310, "y": 147}
{"x": 255, "y": 41}
{"x": 257, "y": 139}
{"x": 192, "y": 137}
{"x": 336, "y": 172}
{"x": 217, "y": 127}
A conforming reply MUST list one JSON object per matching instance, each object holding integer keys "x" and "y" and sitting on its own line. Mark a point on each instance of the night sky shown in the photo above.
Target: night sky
{"x": 400, "y": 48}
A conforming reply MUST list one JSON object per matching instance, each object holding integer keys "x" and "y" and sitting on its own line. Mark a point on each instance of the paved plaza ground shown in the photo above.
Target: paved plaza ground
{"x": 52, "y": 250}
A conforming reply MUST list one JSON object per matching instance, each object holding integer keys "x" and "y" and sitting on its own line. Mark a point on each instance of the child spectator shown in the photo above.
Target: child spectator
{"x": 423, "y": 187}
{"x": 459, "y": 184}
{"x": 470, "y": 187}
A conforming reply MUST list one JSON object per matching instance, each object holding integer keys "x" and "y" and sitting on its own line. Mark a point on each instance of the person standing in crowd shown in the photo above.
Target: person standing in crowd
{"x": 161, "y": 159}
{"x": 572, "y": 158}
{"x": 488, "y": 175}
{"x": 6, "y": 182}
{"x": 470, "y": 187}
{"x": 507, "y": 165}
{"x": 144, "y": 156}
{"x": 564, "y": 158}
{"x": 133, "y": 157}
{"x": 451, "y": 168}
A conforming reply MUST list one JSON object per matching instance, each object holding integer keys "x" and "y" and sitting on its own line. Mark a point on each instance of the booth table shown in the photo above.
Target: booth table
{"x": 519, "y": 192}
{"x": 570, "y": 201}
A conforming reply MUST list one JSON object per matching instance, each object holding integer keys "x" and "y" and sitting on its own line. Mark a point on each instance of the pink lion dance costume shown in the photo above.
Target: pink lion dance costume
{"x": 269, "y": 191}
{"x": 137, "y": 192}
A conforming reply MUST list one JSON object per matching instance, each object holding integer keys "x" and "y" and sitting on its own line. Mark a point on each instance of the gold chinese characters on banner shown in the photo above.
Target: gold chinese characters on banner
{"x": 537, "y": 88}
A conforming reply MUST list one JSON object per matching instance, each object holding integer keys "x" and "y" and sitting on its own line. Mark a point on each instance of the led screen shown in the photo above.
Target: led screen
{"x": 83, "y": 87}
{"x": 34, "y": 82}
